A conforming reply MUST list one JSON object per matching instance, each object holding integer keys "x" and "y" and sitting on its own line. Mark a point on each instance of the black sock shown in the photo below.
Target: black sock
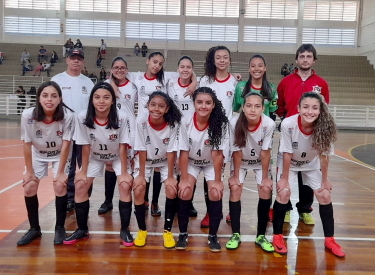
{"x": 206, "y": 199}
{"x": 279, "y": 211}
{"x": 147, "y": 190}
{"x": 140, "y": 216}
{"x": 60, "y": 204}
{"x": 82, "y": 214}
{"x": 183, "y": 214}
{"x": 156, "y": 187}
{"x": 125, "y": 209}
{"x": 32, "y": 206}
{"x": 215, "y": 211}
{"x": 110, "y": 180}
{"x": 235, "y": 215}
{"x": 195, "y": 187}
{"x": 263, "y": 209}
{"x": 326, "y": 214}
{"x": 170, "y": 211}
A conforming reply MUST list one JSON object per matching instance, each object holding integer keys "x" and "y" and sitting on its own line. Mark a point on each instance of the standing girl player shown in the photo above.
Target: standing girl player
{"x": 251, "y": 142}
{"x": 305, "y": 145}
{"x": 104, "y": 133}
{"x": 201, "y": 143}
{"x": 47, "y": 130}
{"x": 155, "y": 143}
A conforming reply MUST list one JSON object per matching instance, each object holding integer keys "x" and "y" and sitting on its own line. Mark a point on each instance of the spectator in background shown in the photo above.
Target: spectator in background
{"x": 93, "y": 77}
{"x": 284, "y": 70}
{"x": 46, "y": 68}
{"x": 85, "y": 71}
{"x": 103, "y": 50}
{"x": 26, "y": 67}
{"x": 1, "y": 58}
{"x": 99, "y": 58}
{"x": 291, "y": 68}
{"x": 102, "y": 75}
{"x": 21, "y": 104}
{"x": 144, "y": 49}
{"x": 38, "y": 68}
{"x": 78, "y": 45}
{"x": 54, "y": 58}
{"x": 42, "y": 54}
{"x": 137, "y": 49}
{"x": 32, "y": 93}
{"x": 24, "y": 56}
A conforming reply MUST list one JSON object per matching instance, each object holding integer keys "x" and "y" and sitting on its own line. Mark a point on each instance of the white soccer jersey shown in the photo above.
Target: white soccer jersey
{"x": 176, "y": 91}
{"x": 46, "y": 138}
{"x": 294, "y": 141}
{"x": 224, "y": 90}
{"x": 256, "y": 140}
{"x": 146, "y": 86}
{"x": 75, "y": 90}
{"x": 104, "y": 142}
{"x": 157, "y": 142}
{"x": 197, "y": 142}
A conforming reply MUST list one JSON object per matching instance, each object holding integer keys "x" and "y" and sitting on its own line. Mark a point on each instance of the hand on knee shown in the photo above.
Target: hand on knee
{"x": 185, "y": 193}
{"x": 170, "y": 191}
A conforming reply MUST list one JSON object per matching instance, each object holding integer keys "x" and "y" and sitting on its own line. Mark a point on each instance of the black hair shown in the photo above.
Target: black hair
{"x": 218, "y": 121}
{"x": 265, "y": 90}
{"x": 209, "y": 65}
{"x": 241, "y": 128}
{"x": 173, "y": 115}
{"x": 117, "y": 58}
{"x": 185, "y": 57}
{"x": 91, "y": 112}
{"x": 38, "y": 112}
{"x": 306, "y": 48}
{"x": 160, "y": 74}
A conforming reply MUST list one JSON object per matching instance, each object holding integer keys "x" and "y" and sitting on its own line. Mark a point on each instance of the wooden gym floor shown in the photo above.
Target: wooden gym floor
{"x": 351, "y": 172}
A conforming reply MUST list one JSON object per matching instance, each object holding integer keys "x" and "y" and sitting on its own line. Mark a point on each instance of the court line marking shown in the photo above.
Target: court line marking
{"x": 367, "y": 166}
{"x": 12, "y": 158}
{"x": 11, "y": 145}
{"x": 351, "y": 155}
{"x": 10, "y": 186}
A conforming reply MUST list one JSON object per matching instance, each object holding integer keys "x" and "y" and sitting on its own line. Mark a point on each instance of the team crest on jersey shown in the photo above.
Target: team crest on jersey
{"x": 265, "y": 129}
{"x": 157, "y": 88}
{"x": 119, "y": 106}
{"x": 144, "y": 125}
{"x": 207, "y": 142}
{"x": 166, "y": 141}
{"x": 290, "y": 131}
{"x": 84, "y": 90}
{"x": 39, "y": 134}
{"x": 113, "y": 137}
{"x": 92, "y": 137}
{"x": 127, "y": 97}
{"x": 295, "y": 145}
{"x": 229, "y": 93}
{"x": 59, "y": 134}
{"x": 317, "y": 89}
{"x": 148, "y": 141}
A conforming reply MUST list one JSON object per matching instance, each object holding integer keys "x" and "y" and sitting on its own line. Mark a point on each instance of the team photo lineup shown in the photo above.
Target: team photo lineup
{"x": 174, "y": 131}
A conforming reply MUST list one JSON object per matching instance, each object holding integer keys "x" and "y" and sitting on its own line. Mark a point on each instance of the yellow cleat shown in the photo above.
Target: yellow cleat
{"x": 140, "y": 239}
{"x": 169, "y": 241}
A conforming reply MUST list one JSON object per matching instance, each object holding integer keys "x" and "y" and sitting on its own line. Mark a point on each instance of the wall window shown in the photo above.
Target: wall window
{"x": 153, "y": 31}
{"x": 158, "y": 7}
{"x": 92, "y": 28}
{"x": 272, "y": 9}
{"x": 264, "y": 34}
{"x": 345, "y": 37}
{"x": 330, "y": 10}
{"x": 209, "y": 8}
{"x": 203, "y": 32}
{"x": 94, "y": 5}
{"x": 33, "y": 4}
{"x": 31, "y": 26}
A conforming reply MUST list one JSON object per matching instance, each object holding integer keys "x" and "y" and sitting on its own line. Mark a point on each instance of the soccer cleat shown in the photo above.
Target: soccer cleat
{"x": 331, "y": 244}
{"x": 126, "y": 238}
{"x": 307, "y": 218}
{"x": 205, "y": 223}
{"x": 168, "y": 239}
{"x": 182, "y": 241}
{"x": 105, "y": 207}
{"x": 264, "y": 243}
{"x": 279, "y": 244}
{"x": 30, "y": 235}
{"x": 234, "y": 241}
{"x": 227, "y": 218}
{"x": 140, "y": 239}
{"x": 213, "y": 243}
{"x": 77, "y": 235}
{"x": 287, "y": 217}
{"x": 60, "y": 235}
{"x": 155, "y": 211}
{"x": 270, "y": 215}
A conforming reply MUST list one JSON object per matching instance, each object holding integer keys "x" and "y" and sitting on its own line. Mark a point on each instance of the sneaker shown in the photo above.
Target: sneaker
{"x": 205, "y": 223}
{"x": 155, "y": 211}
{"x": 287, "y": 217}
{"x": 169, "y": 241}
{"x": 77, "y": 235}
{"x": 270, "y": 215}
{"x": 307, "y": 218}
{"x": 193, "y": 212}
{"x": 30, "y": 235}
{"x": 279, "y": 244}
{"x": 60, "y": 235}
{"x": 140, "y": 239}
{"x": 105, "y": 207}
{"x": 182, "y": 241}
{"x": 227, "y": 218}
{"x": 70, "y": 206}
{"x": 264, "y": 243}
{"x": 126, "y": 238}
{"x": 213, "y": 243}
{"x": 234, "y": 242}
{"x": 331, "y": 244}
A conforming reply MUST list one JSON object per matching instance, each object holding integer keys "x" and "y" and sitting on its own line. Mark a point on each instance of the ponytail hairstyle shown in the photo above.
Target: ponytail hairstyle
{"x": 160, "y": 74}
{"x": 218, "y": 121}
{"x": 117, "y": 58}
{"x": 173, "y": 116}
{"x": 265, "y": 90}
{"x": 185, "y": 57}
{"x": 38, "y": 112}
{"x": 241, "y": 128}
{"x": 325, "y": 132}
{"x": 91, "y": 112}
{"x": 209, "y": 65}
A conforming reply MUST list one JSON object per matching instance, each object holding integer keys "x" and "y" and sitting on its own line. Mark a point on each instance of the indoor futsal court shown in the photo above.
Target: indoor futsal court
{"x": 351, "y": 172}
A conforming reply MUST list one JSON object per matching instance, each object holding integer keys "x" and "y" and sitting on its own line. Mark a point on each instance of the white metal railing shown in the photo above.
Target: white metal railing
{"x": 10, "y": 102}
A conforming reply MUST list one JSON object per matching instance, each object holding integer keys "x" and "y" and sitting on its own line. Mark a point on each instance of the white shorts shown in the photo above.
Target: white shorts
{"x": 149, "y": 170}
{"x": 41, "y": 168}
{"x": 243, "y": 174}
{"x": 208, "y": 171}
{"x": 96, "y": 167}
{"x": 311, "y": 178}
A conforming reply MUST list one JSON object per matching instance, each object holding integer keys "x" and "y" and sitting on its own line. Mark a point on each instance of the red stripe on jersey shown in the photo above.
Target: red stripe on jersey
{"x": 196, "y": 123}
{"x": 255, "y": 88}
{"x": 153, "y": 126}
{"x": 126, "y": 82}
{"x": 100, "y": 124}
{"x": 182, "y": 86}
{"x": 224, "y": 80}
{"x": 256, "y": 126}
{"x": 300, "y": 127}
{"x": 152, "y": 78}
{"x": 48, "y": 122}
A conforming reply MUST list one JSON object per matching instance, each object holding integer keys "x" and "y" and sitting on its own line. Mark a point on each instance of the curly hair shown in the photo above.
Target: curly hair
{"x": 209, "y": 65}
{"x": 160, "y": 74}
{"x": 173, "y": 116}
{"x": 240, "y": 130}
{"x": 217, "y": 122}
{"x": 265, "y": 90}
{"x": 325, "y": 132}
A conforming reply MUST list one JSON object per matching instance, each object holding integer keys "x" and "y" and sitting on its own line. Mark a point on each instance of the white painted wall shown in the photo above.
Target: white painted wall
{"x": 367, "y": 31}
